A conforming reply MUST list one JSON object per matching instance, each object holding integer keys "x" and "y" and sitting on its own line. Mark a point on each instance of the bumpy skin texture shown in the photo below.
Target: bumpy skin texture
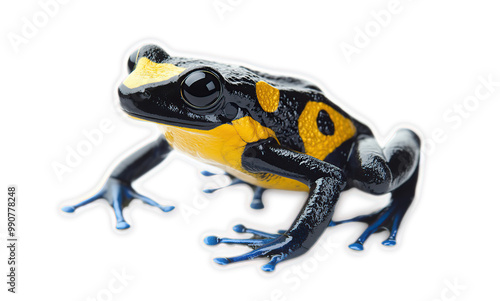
{"x": 267, "y": 131}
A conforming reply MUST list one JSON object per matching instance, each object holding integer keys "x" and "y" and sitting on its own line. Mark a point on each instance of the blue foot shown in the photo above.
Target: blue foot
{"x": 119, "y": 195}
{"x": 387, "y": 219}
{"x": 273, "y": 246}
{"x": 257, "y": 197}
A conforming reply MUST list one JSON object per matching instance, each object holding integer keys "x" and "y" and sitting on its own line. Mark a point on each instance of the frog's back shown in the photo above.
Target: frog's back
{"x": 305, "y": 120}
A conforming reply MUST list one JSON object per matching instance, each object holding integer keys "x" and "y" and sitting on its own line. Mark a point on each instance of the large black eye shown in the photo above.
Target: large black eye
{"x": 201, "y": 88}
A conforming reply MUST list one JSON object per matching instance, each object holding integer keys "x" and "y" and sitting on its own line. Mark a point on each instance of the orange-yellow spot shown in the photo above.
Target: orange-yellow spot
{"x": 316, "y": 143}
{"x": 268, "y": 96}
{"x": 147, "y": 72}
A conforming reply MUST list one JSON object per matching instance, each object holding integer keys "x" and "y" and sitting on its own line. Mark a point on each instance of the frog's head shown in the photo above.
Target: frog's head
{"x": 182, "y": 92}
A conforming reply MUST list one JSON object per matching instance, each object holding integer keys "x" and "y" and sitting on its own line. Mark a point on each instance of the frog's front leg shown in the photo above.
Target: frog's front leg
{"x": 325, "y": 182}
{"x": 257, "y": 190}
{"x": 378, "y": 171}
{"x": 118, "y": 190}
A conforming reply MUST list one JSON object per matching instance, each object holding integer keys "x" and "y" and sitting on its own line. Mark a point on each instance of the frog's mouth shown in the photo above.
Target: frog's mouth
{"x": 138, "y": 106}
{"x": 162, "y": 121}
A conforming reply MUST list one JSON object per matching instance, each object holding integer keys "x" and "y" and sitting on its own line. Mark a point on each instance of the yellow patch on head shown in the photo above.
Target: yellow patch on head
{"x": 268, "y": 96}
{"x": 317, "y": 144}
{"x": 147, "y": 72}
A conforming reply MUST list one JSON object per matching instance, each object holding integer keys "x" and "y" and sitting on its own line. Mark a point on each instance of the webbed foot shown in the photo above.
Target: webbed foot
{"x": 388, "y": 218}
{"x": 257, "y": 191}
{"x": 119, "y": 195}
{"x": 276, "y": 247}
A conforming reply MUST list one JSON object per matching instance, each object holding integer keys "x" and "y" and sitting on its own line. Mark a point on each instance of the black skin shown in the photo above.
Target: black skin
{"x": 359, "y": 162}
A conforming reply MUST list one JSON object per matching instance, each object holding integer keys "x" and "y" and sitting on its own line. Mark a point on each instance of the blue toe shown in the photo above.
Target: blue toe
{"x": 389, "y": 242}
{"x": 221, "y": 261}
{"x": 122, "y": 225}
{"x": 68, "y": 209}
{"x": 268, "y": 267}
{"x": 239, "y": 228}
{"x": 257, "y": 205}
{"x": 167, "y": 208}
{"x": 211, "y": 240}
{"x": 356, "y": 246}
{"x": 209, "y": 190}
{"x": 206, "y": 173}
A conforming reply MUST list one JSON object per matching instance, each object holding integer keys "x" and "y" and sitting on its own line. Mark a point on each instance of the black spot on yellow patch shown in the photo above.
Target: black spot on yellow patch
{"x": 316, "y": 143}
{"x": 325, "y": 123}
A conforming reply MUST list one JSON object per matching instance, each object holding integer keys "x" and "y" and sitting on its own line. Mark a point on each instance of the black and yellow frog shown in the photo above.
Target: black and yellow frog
{"x": 265, "y": 130}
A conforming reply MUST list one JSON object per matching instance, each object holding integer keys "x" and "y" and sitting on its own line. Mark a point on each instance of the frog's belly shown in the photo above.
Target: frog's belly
{"x": 223, "y": 147}
{"x": 267, "y": 180}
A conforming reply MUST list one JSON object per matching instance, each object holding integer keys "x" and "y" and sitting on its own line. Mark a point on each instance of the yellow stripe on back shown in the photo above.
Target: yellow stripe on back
{"x": 147, "y": 72}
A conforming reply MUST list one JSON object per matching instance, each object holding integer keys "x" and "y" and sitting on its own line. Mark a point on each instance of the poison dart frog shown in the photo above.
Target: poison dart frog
{"x": 268, "y": 131}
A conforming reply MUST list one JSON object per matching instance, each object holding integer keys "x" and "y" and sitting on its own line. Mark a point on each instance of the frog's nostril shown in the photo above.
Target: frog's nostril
{"x": 132, "y": 60}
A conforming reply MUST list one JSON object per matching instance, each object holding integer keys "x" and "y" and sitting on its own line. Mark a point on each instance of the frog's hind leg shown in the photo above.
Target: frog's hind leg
{"x": 377, "y": 171}
{"x": 257, "y": 190}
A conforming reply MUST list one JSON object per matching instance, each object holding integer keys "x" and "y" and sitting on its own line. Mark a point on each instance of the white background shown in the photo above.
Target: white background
{"x": 62, "y": 80}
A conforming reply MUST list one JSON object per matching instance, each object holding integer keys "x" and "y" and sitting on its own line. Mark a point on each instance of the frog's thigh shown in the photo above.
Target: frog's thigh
{"x": 379, "y": 170}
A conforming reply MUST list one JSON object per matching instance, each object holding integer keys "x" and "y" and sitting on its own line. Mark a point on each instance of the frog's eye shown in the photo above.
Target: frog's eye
{"x": 201, "y": 88}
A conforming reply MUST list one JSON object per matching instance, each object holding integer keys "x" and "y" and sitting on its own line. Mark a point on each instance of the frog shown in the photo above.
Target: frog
{"x": 267, "y": 131}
